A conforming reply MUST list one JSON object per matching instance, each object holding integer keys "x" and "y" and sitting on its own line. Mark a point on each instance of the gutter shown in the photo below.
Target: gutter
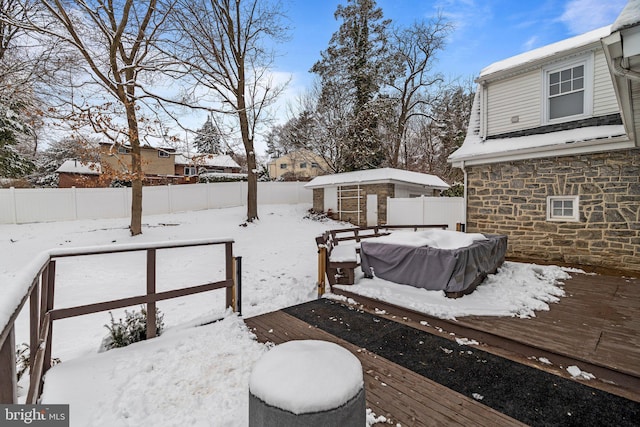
{"x": 464, "y": 196}
{"x": 627, "y": 73}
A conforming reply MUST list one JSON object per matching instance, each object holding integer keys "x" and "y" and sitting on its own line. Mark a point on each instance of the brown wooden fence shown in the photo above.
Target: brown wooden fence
{"x": 42, "y": 313}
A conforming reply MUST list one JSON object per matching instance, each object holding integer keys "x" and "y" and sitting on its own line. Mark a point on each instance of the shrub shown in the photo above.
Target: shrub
{"x": 132, "y": 329}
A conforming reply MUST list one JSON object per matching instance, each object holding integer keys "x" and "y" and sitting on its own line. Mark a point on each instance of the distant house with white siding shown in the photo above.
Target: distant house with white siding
{"x": 551, "y": 156}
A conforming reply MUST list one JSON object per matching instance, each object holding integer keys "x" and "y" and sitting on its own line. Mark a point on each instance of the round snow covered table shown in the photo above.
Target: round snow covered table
{"x": 307, "y": 383}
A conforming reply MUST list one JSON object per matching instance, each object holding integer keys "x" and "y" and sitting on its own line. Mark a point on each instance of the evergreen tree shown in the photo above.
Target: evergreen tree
{"x": 357, "y": 61}
{"x": 12, "y": 163}
{"x": 208, "y": 138}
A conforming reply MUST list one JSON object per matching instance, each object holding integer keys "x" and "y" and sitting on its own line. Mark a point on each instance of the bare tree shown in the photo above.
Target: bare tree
{"x": 415, "y": 47}
{"x": 224, "y": 49}
{"x": 115, "y": 41}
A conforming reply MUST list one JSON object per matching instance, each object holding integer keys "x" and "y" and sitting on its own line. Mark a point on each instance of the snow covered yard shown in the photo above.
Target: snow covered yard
{"x": 193, "y": 374}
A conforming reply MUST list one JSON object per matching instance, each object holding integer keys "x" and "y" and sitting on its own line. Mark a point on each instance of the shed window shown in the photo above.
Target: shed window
{"x": 562, "y": 208}
{"x": 190, "y": 171}
{"x": 123, "y": 150}
{"x": 303, "y": 165}
{"x": 163, "y": 154}
{"x": 283, "y": 165}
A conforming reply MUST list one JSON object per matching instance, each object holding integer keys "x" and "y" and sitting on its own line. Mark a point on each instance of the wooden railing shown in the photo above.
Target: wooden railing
{"x": 42, "y": 313}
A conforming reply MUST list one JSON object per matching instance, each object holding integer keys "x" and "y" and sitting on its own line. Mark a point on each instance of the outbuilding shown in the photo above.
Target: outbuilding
{"x": 360, "y": 197}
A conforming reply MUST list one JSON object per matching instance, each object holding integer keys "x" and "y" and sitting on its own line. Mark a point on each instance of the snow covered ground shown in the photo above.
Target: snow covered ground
{"x": 198, "y": 375}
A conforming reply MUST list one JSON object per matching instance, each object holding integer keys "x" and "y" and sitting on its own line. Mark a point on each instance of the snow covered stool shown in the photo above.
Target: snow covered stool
{"x": 307, "y": 383}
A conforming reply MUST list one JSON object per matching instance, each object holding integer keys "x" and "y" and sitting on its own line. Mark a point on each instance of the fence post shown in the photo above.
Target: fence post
{"x": 14, "y": 207}
{"x": 48, "y": 305}
{"x": 34, "y": 319}
{"x": 237, "y": 284}
{"x": 322, "y": 263}
{"x": 151, "y": 290}
{"x": 228, "y": 252}
{"x": 8, "y": 389}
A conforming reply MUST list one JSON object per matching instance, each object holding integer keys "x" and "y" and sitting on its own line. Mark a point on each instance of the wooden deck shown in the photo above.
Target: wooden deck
{"x": 397, "y": 393}
{"x": 596, "y": 323}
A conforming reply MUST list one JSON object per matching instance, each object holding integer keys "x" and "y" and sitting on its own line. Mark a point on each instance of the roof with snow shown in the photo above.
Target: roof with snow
{"x": 474, "y": 147}
{"x": 545, "y": 52}
{"x": 211, "y": 160}
{"x": 371, "y": 176}
{"x": 629, "y": 16}
{"x": 76, "y": 166}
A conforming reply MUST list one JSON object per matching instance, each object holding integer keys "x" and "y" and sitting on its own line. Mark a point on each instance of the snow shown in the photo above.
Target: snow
{"x": 378, "y": 175}
{"x": 546, "y": 52}
{"x": 629, "y": 16}
{"x": 516, "y": 290}
{"x": 343, "y": 253}
{"x": 210, "y": 160}
{"x": 474, "y": 145}
{"x": 76, "y": 166}
{"x": 199, "y": 375}
{"x": 442, "y": 239}
{"x": 306, "y": 376}
{"x": 579, "y": 374}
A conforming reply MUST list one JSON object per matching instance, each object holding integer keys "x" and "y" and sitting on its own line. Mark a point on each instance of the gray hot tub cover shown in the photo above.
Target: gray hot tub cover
{"x": 451, "y": 270}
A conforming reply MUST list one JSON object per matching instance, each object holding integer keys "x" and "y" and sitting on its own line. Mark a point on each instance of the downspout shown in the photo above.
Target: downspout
{"x": 464, "y": 201}
{"x": 621, "y": 71}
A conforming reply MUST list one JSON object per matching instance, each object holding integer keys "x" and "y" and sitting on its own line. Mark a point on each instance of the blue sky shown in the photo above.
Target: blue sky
{"x": 486, "y": 31}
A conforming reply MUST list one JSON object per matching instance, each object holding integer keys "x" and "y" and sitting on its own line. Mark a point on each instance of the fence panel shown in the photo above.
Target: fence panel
{"x": 45, "y": 204}
{"x": 66, "y": 204}
{"x": 426, "y": 210}
{"x": 107, "y": 203}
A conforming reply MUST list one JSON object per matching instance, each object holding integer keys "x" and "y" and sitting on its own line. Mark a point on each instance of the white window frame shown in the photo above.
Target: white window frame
{"x": 575, "y": 215}
{"x": 587, "y": 109}
{"x": 190, "y": 171}
{"x": 163, "y": 154}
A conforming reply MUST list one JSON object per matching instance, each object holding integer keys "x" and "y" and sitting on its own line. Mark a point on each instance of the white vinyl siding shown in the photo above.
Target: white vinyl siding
{"x": 604, "y": 96}
{"x": 516, "y": 99}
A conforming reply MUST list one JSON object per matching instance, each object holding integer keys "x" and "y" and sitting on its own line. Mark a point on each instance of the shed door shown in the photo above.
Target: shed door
{"x": 372, "y": 210}
{"x": 331, "y": 199}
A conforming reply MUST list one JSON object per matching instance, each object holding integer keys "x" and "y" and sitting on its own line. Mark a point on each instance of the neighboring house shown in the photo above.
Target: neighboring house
{"x": 300, "y": 165}
{"x": 74, "y": 173}
{"x": 158, "y": 164}
{"x": 192, "y": 165}
{"x": 551, "y": 156}
{"x": 360, "y": 197}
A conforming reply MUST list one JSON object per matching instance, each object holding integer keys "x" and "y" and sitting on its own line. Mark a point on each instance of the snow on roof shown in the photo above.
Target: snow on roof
{"x": 212, "y": 160}
{"x": 372, "y": 175}
{"x": 629, "y": 16}
{"x": 547, "y": 51}
{"x": 76, "y": 166}
{"x": 474, "y": 145}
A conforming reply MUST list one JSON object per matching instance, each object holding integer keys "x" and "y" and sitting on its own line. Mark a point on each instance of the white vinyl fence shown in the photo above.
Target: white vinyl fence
{"x": 24, "y": 205}
{"x": 426, "y": 210}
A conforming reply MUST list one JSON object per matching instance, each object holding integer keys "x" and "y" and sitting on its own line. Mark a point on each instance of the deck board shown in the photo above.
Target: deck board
{"x": 597, "y": 321}
{"x": 399, "y": 394}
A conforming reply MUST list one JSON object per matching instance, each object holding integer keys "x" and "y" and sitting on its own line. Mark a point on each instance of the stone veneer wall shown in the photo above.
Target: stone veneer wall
{"x": 318, "y": 200}
{"x": 511, "y": 198}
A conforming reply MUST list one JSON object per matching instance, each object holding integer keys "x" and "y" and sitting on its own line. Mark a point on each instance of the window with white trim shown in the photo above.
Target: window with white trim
{"x": 563, "y": 208}
{"x": 190, "y": 171}
{"x": 163, "y": 154}
{"x": 568, "y": 91}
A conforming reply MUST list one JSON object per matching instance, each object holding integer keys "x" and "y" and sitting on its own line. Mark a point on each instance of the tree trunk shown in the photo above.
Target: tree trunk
{"x": 136, "y": 170}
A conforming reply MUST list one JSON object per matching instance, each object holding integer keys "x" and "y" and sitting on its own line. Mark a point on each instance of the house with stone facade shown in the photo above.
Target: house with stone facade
{"x": 552, "y": 156}
{"x": 360, "y": 197}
